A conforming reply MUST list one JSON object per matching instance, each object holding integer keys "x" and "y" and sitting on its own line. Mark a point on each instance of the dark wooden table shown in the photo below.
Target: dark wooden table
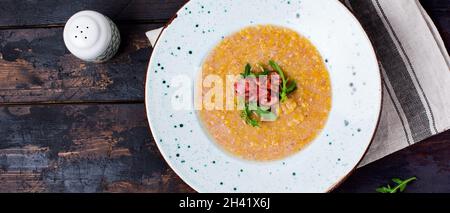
{"x": 70, "y": 126}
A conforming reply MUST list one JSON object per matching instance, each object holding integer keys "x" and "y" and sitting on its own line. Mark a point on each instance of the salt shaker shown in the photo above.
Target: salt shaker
{"x": 91, "y": 36}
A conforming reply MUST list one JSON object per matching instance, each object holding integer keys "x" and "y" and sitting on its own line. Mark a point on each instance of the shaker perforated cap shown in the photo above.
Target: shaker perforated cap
{"x": 87, "y": 35}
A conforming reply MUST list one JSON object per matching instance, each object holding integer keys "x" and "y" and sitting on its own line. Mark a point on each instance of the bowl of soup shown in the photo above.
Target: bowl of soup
{"x": 263, "y": 96}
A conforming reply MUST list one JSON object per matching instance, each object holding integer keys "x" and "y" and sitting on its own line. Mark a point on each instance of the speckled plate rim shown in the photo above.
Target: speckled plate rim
{"x": 337, "y": 182}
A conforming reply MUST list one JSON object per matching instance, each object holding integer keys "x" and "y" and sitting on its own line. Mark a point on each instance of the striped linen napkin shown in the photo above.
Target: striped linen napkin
{"x": 415, "y": 69}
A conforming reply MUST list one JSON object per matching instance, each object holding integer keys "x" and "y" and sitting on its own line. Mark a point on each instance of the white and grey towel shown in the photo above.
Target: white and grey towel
{"x": 415, "y": 67}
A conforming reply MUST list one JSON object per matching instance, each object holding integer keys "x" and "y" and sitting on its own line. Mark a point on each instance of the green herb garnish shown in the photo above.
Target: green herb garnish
{"x": 247, "y": 71}
{"x": 401, "y": 185}
{"x": 286, "y": 85}
{"x": 251, "y": 110}
{"x": 291, "y": 87}
{"x": 246, "y": 114}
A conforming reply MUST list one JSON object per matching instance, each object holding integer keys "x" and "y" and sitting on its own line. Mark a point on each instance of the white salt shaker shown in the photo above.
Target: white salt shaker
{"x": 91, "y": 36}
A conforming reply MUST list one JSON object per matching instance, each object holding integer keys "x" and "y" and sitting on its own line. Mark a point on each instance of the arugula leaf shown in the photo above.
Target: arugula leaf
{"x": 384, "y": 189}
{"x": 247, "y": 71}
{"x": 277, "y": 68}
{"x": 397, "y": 180}
{"x": 292, "y": 86}
{"x": 401, "y": 185}
{"x": 263, "y": 112}
{"x": 246, "y": 114}
{"x": 285, "y": 90}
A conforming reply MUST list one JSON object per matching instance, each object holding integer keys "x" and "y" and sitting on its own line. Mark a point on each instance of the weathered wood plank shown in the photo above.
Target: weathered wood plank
{"x": 429, "y": 161}
{"x": 35, "y": 66}
{"x": 439, "y": 11}
{"x": 21, "y": 13}
{"x": 436, "y": 5}
{"x": 81, "y": 148}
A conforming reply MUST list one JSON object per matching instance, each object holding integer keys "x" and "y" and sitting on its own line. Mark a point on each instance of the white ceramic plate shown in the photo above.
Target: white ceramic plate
{"x": 356, "y": 100}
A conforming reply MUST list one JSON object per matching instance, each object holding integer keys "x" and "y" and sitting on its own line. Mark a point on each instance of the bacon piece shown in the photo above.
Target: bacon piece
{"x": 254, "y": 89}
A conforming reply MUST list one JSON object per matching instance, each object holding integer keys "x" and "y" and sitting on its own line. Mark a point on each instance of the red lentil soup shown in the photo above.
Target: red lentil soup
{"x": 302, "y": 116}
